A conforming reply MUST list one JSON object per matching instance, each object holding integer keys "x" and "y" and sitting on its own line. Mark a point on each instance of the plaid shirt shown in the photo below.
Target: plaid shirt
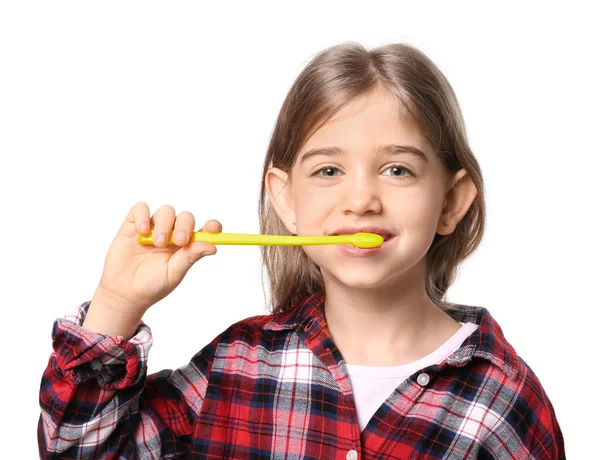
{"x": 276, "y": 386}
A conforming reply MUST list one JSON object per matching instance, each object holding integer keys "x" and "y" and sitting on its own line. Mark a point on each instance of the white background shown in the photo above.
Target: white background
{"x": 103, "y": 104}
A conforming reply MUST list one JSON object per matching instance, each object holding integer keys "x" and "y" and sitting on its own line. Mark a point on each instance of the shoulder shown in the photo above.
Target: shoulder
{"x": 521, "y": 410}
{"x": 534, "y": 405}
{"x": 506, "y": 398}
{"x": 517, "y": 393}
{"x": 267, "y": 327}
{"x": 259, "y": 333}
{"x": 249, "y": 333}
{"x": 247, "y": 328}
{"x": 518, "y": 409}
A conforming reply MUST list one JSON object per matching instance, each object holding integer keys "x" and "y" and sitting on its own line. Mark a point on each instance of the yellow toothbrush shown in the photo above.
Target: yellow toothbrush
{"x": 361, "y": 239}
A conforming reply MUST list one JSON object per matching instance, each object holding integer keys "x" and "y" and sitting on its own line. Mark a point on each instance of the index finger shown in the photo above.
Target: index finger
{"x": 139, "y": 216}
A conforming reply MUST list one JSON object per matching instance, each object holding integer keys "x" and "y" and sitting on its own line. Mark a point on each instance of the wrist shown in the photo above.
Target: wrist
{"x": 111, "y": 316}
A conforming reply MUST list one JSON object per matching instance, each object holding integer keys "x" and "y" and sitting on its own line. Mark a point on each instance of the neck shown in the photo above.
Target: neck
{"x": 385, "y": 326}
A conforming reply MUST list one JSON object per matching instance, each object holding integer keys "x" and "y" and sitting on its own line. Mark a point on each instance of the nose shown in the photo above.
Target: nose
{"x": 361, "y": 195}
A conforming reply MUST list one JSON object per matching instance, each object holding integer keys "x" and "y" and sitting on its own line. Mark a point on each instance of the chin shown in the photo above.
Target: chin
{"x": 359, "y": 277}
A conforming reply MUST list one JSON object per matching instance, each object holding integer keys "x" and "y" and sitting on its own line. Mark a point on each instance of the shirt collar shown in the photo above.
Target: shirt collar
{"x": 487, "y": 342}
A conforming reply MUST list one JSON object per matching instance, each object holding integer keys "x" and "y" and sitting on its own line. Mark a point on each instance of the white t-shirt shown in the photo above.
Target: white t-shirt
{"x": 372, "y": 385}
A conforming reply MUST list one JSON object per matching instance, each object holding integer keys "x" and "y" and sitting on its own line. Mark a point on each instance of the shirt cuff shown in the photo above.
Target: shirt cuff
{"x": 81, "y": 355}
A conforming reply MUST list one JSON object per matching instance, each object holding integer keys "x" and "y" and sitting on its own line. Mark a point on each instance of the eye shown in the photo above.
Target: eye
{"x": 401, "y": 168}
{"x": 397, "y": 167}
{"x": 324, "y": 168}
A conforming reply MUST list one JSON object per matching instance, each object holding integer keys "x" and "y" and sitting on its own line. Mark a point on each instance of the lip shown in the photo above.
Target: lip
{"x": 354, "y": 251}
{"x": 351, "y": 250}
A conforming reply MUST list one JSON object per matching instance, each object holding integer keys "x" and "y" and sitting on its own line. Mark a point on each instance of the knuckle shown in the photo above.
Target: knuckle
{"x": 179, "y": 239}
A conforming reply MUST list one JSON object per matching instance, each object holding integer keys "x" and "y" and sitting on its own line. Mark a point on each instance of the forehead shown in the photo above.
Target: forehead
{"x": 369, "y": 120}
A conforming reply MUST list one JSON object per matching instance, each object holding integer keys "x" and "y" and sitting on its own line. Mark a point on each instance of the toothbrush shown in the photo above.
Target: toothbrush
{"x": 361, "y": 239}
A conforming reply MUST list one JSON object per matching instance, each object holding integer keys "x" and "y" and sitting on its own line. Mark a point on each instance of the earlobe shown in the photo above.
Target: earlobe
{"x": 279, "y": 190}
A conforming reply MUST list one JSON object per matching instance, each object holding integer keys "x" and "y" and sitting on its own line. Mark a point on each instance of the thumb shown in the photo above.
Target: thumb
{"x": 183, "y": 259}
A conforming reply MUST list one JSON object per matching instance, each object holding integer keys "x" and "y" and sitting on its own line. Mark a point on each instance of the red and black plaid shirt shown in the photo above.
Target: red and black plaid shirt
{"x": 276, "y": 386}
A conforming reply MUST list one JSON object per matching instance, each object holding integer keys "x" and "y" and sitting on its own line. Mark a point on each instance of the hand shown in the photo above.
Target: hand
{"x": 137, "y": 276}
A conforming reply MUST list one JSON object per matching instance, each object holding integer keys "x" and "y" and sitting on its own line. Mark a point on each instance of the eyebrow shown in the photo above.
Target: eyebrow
{"x": 392, "y": 149}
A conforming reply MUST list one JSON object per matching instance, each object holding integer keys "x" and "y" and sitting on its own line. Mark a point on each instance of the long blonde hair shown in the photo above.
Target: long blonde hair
{"x": 331, "y": 80}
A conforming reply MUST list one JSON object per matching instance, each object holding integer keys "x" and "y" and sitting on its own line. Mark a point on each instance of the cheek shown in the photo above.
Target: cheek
{"x": 311, "y": 202}
{"x": 419, "y": 217}
{"x": 418, "y": 209}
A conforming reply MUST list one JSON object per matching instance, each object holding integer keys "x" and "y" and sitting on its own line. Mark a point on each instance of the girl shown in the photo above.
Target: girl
{"x": 361, "y": 358}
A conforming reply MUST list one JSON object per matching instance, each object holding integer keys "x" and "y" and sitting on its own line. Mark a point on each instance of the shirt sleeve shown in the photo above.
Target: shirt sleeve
{"x": 544, "y": 438}
{"x": 529, "y": 428}
{"x": 98, "y": 402}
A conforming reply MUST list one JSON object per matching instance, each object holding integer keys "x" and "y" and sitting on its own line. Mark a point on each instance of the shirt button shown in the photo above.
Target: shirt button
{"x": 423, "y": 379}
{"x": 352, "y": 455}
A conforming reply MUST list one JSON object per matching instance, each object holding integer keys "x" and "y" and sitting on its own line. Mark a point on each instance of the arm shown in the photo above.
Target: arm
{"x": 97, "y": 401}
{"x": 544, "y": 439}
{"x": 529, "y": 429}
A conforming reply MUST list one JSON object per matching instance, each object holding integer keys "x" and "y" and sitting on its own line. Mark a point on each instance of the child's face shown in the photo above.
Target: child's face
{"x": 365, "y": 189}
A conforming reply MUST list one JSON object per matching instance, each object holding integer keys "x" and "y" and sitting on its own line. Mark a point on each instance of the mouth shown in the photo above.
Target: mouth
{"x": 356, "y": 251}
{"x": 386, "y": 234}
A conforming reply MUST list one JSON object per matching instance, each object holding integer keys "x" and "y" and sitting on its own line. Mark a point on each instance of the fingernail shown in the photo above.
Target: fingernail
{"x": 181, "y": 236}
{"x": 161, "y": 238}
{"x": 144, "y": 228}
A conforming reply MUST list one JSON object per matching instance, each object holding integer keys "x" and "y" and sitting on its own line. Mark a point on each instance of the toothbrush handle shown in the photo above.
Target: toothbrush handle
{"x": 253, "y": 239}
{"x": 257, "y": 239}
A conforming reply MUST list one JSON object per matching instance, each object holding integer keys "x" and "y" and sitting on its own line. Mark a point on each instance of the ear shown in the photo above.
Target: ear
{"x": 458, "y": 200}
{"x": 278, "y": 186}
